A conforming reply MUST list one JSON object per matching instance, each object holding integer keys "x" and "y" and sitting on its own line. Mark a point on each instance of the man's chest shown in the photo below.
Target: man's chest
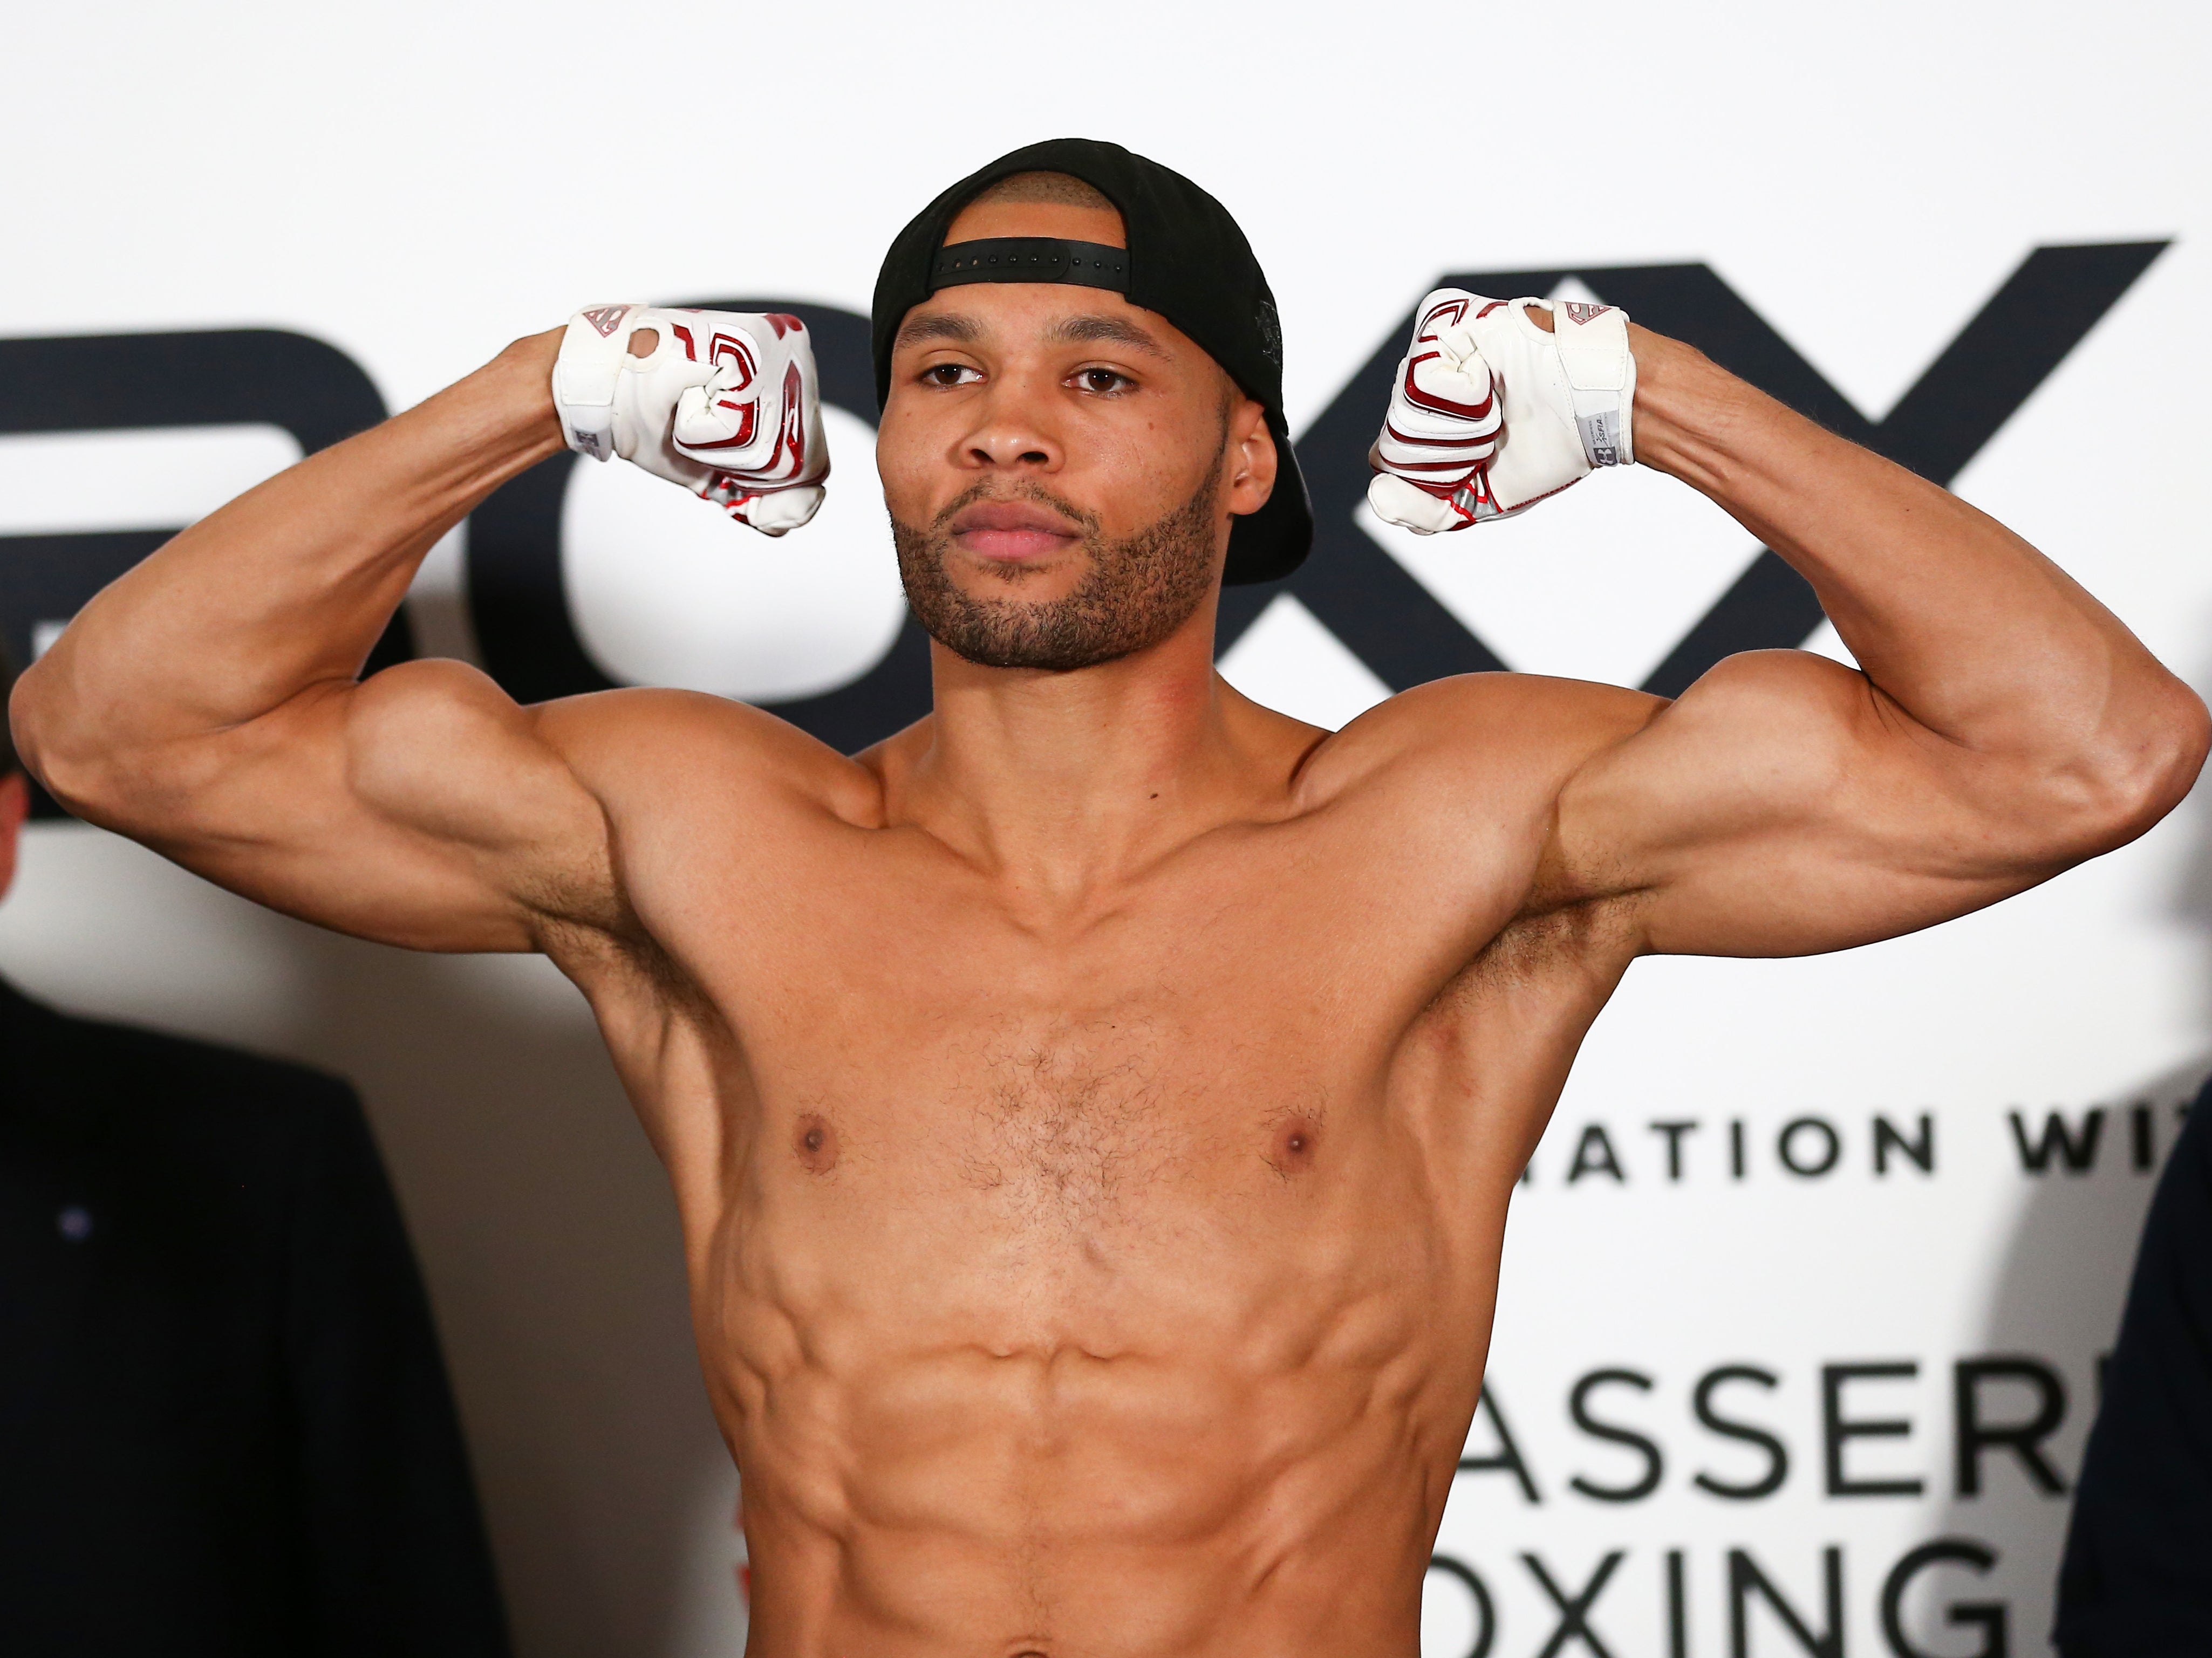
{"x": 1221, "y": 1018}
{"x": 1246, "y": 1059}
{"x": 1040, "y": 1135}
{"x": 1102, "y": 1049}
{"x": 885, "y": 955}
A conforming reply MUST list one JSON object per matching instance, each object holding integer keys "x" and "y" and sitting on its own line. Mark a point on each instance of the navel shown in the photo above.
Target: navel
{"x": 814, "y": 1142}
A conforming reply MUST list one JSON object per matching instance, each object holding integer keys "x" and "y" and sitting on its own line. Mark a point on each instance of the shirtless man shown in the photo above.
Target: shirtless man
{"x": 1093, "y": 1109}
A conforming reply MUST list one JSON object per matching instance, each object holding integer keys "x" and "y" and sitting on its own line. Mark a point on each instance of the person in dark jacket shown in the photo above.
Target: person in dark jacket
{"x": 2136, "y": 1580}
{"x": 225, "y": 1427}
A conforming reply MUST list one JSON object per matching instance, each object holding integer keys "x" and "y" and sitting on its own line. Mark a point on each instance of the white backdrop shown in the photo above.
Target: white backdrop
{"x": 415, "y": 183}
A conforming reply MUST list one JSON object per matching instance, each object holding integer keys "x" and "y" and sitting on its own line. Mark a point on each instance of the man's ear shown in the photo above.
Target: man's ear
{"x": 15, "y": 807}
{"x": 1253, "y": 462}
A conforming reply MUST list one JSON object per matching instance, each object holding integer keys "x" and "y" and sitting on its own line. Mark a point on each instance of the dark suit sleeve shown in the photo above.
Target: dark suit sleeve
{"x": 2136, "y": 1581}
{"x": 398, "y": 1558}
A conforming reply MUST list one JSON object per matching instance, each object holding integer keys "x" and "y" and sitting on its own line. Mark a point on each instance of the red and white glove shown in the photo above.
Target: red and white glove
{"x": 1490, "y": 414}
{"x": 726, "y": 404}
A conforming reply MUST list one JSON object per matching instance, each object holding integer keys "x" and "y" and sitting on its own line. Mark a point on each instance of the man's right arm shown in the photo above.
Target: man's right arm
{"x": 207, "y": 703}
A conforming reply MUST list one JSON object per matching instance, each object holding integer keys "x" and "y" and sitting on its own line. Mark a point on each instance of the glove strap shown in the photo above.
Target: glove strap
{"x": 1593, "y": 341}
{"x": 585, "y": 375}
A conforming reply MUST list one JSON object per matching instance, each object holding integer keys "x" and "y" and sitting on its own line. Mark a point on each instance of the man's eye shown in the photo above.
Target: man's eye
{"x": 1101, "y": 380}
{"x": 945, "y": 374}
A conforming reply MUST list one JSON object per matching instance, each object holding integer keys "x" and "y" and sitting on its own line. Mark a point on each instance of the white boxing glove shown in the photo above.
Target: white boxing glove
{"x": 724, "y": 404}
{"x": 1565, "y": 399}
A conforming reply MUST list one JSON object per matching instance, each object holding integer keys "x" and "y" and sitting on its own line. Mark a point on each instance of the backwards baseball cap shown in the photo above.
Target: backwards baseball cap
{"x": 1186, "y": 259}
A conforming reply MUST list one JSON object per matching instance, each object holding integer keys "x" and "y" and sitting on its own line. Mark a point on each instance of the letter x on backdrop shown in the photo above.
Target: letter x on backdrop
{"x": 1356, "y": 589}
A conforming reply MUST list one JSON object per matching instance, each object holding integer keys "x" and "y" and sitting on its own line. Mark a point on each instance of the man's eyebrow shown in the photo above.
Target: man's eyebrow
{"x": 940, "y": 326}
{"x": 1075, "y": 330}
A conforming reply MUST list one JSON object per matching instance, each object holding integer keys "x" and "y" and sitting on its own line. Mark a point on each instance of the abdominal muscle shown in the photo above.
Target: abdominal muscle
{"x": 986, "y": 1406}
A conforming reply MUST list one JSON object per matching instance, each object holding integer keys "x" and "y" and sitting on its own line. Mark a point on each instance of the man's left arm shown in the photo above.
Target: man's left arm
{"x": 2003, "y": 726}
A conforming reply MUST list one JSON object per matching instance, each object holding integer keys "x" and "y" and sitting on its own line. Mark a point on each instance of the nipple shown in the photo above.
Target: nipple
{"x": 1297, "y": 1139}
{"x": 815, "y": 1143}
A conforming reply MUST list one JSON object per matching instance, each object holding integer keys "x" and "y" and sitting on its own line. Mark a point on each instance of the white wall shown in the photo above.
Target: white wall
{"x": 417, "y": 183}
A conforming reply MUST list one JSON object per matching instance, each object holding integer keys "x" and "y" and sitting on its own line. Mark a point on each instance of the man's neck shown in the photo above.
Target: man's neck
{"x": 1066, "y": 784}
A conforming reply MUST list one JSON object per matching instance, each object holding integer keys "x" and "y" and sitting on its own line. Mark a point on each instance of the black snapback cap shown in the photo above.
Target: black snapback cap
{"x": 1186, "y": 259}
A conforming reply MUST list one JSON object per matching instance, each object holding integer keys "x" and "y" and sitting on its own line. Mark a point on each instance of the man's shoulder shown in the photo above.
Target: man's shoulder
{"x": 1525, "y": 732}
{"x": 655, "y": 749}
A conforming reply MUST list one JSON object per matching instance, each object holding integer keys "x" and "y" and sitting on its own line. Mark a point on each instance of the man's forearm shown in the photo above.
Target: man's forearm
{"x": 289, "y": 586}
{"x": 1977, "y": 635}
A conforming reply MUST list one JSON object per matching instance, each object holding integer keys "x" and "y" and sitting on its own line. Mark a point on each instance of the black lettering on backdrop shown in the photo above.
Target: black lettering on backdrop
{"x": 2024, "y": 1439}
{"x": 1787, "y": 1146}
{"x": 1486, "y": 1615}
{"x": 1988, "y": 1616}
{"x": 2076, "y": 1150}
{"x": 1777, "y": 1455}
{"x": 2011, "y": 1403}
{"x": 117, "y": 382}
{"x": 2142, "y": 1147}
{"x": 1507, "y": 1456}
{"x": 1920, "y": 1149}
{"x": 1594, "y": 1155}
{"x": 1810, "y": 1147}
{"x": 1574, "y": 1609}
{"x": 1837, "y": 1429}
{"x": 1673, "y": 1132}
{"x": 1751, "y": 1587}
{"x": 1654, "y": 1463}
{"x": 1745, "y": 1579}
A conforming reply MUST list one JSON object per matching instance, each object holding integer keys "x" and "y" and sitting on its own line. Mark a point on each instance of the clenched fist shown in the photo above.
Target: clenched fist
{"x": 1489, "y": 413}
{"x": 724, "y": 402}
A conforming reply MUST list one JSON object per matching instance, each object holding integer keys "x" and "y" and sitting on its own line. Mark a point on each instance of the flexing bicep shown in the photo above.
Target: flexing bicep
{"x": 420, "y": 807}
{"x": 1785, "y": 805}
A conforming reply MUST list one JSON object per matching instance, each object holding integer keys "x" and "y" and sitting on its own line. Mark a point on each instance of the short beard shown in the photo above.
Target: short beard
{"x": 1138, "y": 590}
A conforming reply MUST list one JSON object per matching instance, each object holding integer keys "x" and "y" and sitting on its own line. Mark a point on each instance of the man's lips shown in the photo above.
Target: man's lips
{"x": 1010, "y": 530}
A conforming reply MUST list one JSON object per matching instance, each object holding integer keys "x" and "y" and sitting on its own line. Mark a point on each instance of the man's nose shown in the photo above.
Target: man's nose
{"x": 1013, "y": 431}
